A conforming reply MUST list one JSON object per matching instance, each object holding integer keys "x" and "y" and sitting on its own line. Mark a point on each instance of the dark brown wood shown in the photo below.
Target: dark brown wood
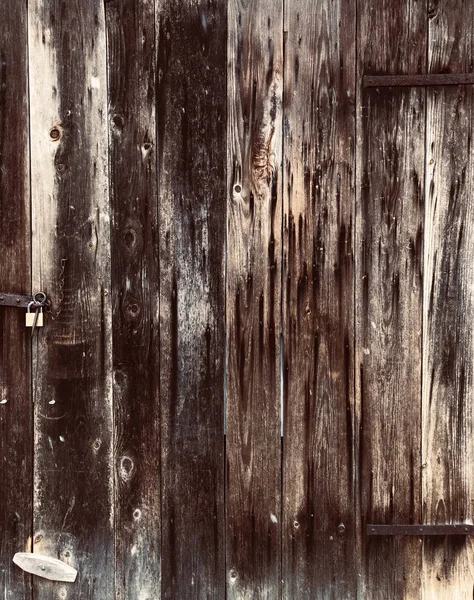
{"x": 448, "y": 333}
{"x": 429, "y": 79}
{"x": 74, "y": 484}
{"x": 197, "y": 190}
{"x": 459, "y": 529}
{"x": 135, "y": 293}
{"x": 389, "y": 285}
{"x": 392, "y": 37}
{"x": 319, "y": 518}
{"x": 191, "y": 117}
{"x": 253, "y": 477}
{"x": 389, "y": 319}
{"x": 16, "y": 439}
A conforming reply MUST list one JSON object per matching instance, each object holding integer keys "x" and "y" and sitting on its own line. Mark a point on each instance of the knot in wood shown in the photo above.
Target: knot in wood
{"x": 126, "y": 468}
{"x": 118, "y": 121}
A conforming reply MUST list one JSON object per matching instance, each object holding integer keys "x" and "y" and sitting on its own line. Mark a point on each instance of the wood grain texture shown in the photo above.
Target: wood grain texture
{"x": 135, "y": 292}
{"x": 388, "y": 304}
{"x": 16, "y": 448}
{"x": 391, "y": 37}
{"x": 73, "y": 486}
{"x": 191, "y": 116}
{"x": 206, "y": 176}
{"x": 389, "y": 284}
{"x": 448, "y": 306}
{"x": 254, "y": 154}
{"x": 319, "y": 517}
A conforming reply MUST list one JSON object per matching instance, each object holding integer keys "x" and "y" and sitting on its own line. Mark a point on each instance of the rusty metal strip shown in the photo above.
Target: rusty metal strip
{"x": 15, "y": 300}
{"x": 370, "y": 81}
{"x": 457, "y": 529}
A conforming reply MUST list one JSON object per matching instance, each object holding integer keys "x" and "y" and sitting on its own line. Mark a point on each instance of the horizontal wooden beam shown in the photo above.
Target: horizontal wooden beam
{"x": 370, "y": 81}
{"x": 449, "y": 529}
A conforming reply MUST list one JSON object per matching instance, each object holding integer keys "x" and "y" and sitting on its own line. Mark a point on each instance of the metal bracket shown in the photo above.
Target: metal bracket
{"x": 371, "y": 81}
{"x": 457, "y": 529}
{"x": 18, "y": 300}
{"x": 45, "y": 566}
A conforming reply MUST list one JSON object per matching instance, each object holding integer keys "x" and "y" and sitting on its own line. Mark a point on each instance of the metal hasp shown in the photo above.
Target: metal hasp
{"x": 458, "y": 529}
{"x": 18, "y": 300}
{"x": 45, "y": 566}
{"x": 370, "y": 81}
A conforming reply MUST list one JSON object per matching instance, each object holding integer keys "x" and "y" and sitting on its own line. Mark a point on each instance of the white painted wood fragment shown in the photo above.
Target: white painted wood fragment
{"x": 45, "y": 566}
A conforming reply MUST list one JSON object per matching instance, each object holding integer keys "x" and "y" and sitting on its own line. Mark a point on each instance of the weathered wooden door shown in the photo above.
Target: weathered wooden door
{"x": 415, "y": 332}
{"x": 254, "y": 221}
{"x": 414, "y": 299}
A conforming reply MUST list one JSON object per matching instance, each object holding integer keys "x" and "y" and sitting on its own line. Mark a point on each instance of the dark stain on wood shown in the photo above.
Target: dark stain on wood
{"x": 73, "y": 406}
{"x": 319, "y": 524}
{"x": 191, "y": 117}
{"x": 389, "y": 290}
{"x": 320, "y": 237}
{"x": 16, "y": 431}
{"x": 389, "y": 342}
{"x": 253, "y": 484}
{"x": 131, "y": 49}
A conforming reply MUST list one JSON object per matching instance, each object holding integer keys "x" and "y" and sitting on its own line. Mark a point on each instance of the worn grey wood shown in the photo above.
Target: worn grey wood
{"x": 74, "y": 484}
{"x": 319, "y": 517}
{"x": 16, "y": 442}
{"x": 131, "y": 66}
{"x": 389, "y": 288}
{"x": 448, "y": 307}
{"x": 254, "y": 191}
{"x": 191, "y": 118}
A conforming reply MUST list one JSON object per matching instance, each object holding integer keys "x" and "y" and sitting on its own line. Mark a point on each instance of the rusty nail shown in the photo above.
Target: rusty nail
{"x": 55, "y": 134}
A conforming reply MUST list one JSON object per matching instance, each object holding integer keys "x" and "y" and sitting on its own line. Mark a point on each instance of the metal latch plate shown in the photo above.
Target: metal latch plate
{"x": 45, "y": 566}
{"x": 448, "y": 529}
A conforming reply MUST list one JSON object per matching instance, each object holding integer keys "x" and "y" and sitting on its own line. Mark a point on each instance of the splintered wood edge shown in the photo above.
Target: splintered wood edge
{"x": 45, "y": 566}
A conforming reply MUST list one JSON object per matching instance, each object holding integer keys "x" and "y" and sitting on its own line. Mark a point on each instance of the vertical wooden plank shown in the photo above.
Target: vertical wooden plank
{"x": 73, "y": 510}
{"x": 135, "y": 293}
{"x": 253, "y": 479}
{"x": 448, "y": 352}
{"x": 389, "y": 293}
{"x": 16, "y": 469}
{"x": 319, "y": 535}
{"x": 191, "y": 115}
{"x": 389, "y": 251}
